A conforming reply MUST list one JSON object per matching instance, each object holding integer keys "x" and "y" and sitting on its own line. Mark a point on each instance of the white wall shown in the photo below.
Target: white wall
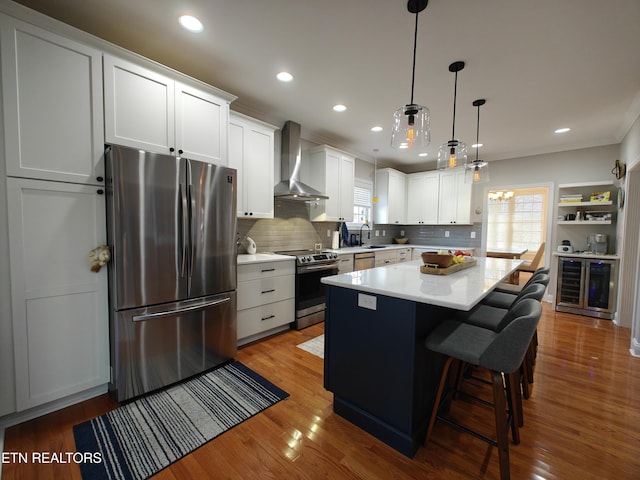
{"x": 584, "y": 165}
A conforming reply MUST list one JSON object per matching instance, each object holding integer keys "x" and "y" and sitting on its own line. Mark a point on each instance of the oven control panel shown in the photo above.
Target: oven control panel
{"x": 318, "y": 257}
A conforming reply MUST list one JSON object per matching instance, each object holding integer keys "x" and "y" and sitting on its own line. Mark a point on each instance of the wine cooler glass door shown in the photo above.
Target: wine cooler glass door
{"x": 570, "y": 282}
{"x": 600, "y": 285}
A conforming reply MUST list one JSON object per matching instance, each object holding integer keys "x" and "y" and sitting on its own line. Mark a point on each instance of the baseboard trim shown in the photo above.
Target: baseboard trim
{"x": 35, "y": 412}
{"x": 635, "y": 348}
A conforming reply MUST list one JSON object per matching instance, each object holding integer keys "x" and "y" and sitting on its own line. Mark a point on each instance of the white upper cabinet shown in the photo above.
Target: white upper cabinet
{"x": 392, "y": 199}
{"x": 332, "y": 172}
{"x": 52, "y": 105}
{"x": 201, "y": 125}
{"x": 454, "y": 205}
{"x": 147, "y": 109}
{"x": 422, "y": 198}
{"x": 251, "y": 153}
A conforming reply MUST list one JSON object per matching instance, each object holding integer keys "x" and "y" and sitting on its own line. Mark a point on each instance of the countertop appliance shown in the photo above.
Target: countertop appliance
{"x": 172, "y": 279}
{"x": 565, "y": 247}
{"x": 597, "y": 243}
{"x": 310, "y": 291}
{"x": 586, "y": 286}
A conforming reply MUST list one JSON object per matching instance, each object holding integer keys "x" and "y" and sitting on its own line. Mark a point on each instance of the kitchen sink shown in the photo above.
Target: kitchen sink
{"x": 377, "y": 246}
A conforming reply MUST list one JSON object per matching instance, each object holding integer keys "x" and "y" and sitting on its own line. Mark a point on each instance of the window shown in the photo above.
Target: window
{"x": 518, "y": 221}
{"x": 362, "y": 194}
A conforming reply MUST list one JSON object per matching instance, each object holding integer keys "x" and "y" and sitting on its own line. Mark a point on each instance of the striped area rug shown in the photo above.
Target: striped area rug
{"x": 141, "y": 438}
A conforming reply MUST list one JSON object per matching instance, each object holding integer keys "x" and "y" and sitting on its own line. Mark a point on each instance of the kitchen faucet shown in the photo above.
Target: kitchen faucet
{"x": 368, "y": 233}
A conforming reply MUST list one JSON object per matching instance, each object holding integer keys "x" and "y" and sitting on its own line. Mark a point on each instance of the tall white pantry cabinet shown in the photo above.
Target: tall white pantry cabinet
{"x": 53, "y": 147}
{"x": 64, "y": 95}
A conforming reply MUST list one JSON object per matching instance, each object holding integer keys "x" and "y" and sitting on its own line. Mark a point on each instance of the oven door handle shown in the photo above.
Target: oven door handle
{"x": 309, "y": 268}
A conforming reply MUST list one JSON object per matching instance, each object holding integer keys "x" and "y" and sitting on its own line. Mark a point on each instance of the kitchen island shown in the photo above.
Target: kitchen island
{"x": 382, "y": 377}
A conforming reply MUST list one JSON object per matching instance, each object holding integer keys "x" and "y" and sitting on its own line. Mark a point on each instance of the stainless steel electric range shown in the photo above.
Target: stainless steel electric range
{"x": 310, "y": 291}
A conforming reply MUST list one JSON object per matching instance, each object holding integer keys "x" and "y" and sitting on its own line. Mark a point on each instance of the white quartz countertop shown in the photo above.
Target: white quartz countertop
{"x": 263, "y": 258}
{"x": 394, "y": 246}
{"x": 602, "y": 256}
{"x": 460, "y": 290}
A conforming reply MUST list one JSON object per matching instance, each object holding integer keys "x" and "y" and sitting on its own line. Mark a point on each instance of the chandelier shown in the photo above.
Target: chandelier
{"x": 500, "y": 196}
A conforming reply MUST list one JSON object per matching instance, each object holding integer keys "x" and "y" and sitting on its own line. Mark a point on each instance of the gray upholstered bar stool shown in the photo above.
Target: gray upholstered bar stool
{"x": 496, "y": 318}
{"x": 505, "y": 299}
{"x": 515, "y": 289}
{"x": 499, "y": 352}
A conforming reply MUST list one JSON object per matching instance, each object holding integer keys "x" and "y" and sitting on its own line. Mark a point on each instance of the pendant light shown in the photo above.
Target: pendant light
{"x": 411, "y": 121}
{"x": 478, "y": 170}
{"x": 454, "y": 152}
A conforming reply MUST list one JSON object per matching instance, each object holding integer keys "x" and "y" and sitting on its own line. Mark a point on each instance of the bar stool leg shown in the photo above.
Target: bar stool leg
{"x": 502, "y": 427}
{"x": 436, "y": 401}
{"x": 514, "y": 397}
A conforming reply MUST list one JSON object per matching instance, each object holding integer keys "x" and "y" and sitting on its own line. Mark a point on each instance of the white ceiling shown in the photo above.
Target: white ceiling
{"x": 540, "y": 65}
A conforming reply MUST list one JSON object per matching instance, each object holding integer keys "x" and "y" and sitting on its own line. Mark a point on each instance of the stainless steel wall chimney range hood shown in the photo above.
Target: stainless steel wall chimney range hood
{"x": 291, "y": 188}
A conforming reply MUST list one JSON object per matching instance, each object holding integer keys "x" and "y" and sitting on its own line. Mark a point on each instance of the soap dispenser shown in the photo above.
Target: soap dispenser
{"x": 251, "y": 246}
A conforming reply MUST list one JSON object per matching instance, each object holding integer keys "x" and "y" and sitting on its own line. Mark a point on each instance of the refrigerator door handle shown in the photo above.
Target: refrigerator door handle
{"x": 200, "y": 306}
{"x": 194, "y": 235}
{"x": 183, "y": 215}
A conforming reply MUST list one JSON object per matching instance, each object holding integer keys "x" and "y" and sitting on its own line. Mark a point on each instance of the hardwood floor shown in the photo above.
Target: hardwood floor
{"x": 581, "y": 422}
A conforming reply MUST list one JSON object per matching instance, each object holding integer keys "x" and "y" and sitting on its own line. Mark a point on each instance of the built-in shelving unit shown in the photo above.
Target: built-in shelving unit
{"x": 577, "y": 219}
{"x": 573, "y": 207}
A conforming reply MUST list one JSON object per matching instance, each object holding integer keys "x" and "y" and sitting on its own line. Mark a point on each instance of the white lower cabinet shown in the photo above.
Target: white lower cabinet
{"x": 266, "y": 293}
{"x": 387, "y": 257}
{"x": 404, "y": 254}
{"x": 60, "y": 313}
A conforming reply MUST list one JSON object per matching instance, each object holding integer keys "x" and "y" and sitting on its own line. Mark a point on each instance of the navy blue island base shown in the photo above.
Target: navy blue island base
{"x": 383, "y": 378}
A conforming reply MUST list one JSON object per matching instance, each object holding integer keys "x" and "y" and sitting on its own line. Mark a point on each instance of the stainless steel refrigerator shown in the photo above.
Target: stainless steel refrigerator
{"x": 172, "y": 276}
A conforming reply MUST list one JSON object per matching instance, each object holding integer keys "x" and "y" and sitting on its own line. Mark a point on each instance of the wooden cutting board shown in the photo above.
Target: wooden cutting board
{"x": 468, "y": 263}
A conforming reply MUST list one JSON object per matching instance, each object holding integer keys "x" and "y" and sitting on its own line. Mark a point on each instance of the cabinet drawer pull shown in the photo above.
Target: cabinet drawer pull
{"x": 269, "y": 291}
{"x": 268, "y": 318}
{"x": 268, "y": 270}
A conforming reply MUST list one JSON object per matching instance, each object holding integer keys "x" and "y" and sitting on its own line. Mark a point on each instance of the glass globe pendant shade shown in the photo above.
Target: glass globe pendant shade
{"x": 476, "y": 172}
{"x": 411, "y": 127}
{"x": 452, "y": 154}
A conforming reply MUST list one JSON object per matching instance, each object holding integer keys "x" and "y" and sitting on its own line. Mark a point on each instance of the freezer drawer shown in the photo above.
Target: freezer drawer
{"x": 156, "y": 346}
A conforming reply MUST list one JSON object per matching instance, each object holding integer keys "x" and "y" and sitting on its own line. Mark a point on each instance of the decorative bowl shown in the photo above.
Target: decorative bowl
{"x": 442, "y": 260}
{"x": 401, "y": 241}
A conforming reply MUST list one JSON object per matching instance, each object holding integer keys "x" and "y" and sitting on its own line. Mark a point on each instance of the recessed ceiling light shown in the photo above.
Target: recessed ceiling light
{"x": 284, "y": 77}
{"x": 191, "y": 23}
{"x": 339, "y": 108}
{"x": 562, "y": 130}
{"x": 477, "y": 145}
{"x": 423, "y": 154}
{"x": 376, "y": 129}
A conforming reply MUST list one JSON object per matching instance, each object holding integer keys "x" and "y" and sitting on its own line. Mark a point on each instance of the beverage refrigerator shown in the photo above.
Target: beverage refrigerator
{"x": 586, "y": 286}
